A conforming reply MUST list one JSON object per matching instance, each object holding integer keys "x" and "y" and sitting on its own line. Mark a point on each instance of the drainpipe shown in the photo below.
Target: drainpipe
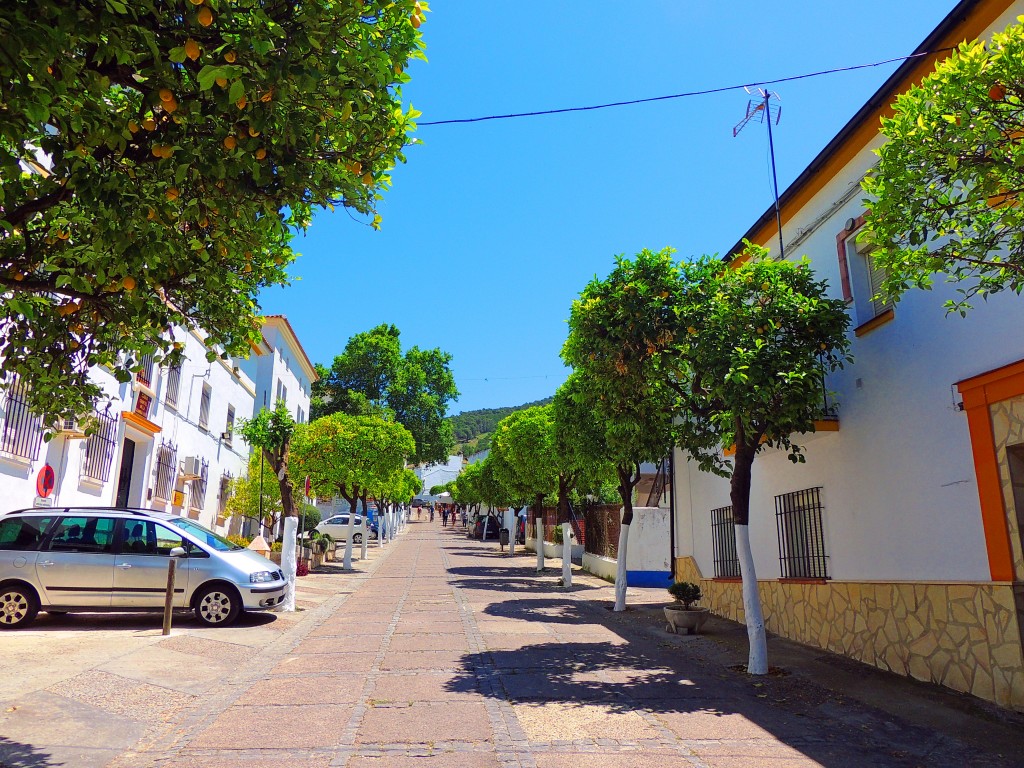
{"x": 672, "y": 513}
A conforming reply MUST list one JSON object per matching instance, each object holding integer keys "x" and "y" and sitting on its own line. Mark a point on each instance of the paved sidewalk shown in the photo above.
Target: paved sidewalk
{"x": 442, "y": 653}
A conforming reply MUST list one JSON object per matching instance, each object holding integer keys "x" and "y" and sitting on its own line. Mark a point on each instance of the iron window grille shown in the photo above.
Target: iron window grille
{"x": 204, "y": 408}
{"x": 166, "y": 470}
{"x": 144, "y": 375}
{"x": 801, "y": 535}
{"x": 22, "y": 434}
{"x": 99, "y": 447}
{"x": 199, "y": 486}
{"x": 723, "y": 538}
{"x": 173, "y": 384}
{"x": 224, "y": 494}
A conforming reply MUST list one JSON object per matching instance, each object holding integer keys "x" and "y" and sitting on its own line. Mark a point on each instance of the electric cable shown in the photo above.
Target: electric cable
{"x": 686, "y": 94}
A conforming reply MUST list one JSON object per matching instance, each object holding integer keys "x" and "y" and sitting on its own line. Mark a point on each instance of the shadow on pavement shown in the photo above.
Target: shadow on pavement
{"x": 91, "y": 622}
{"x": 705, "y": 701}
{"x": 14, "y": 754}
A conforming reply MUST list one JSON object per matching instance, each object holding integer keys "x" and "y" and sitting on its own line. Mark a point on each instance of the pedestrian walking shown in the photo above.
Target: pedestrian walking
{"x": 444, "y": 517}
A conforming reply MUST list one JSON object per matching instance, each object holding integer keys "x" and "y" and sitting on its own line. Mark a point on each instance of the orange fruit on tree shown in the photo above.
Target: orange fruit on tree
{"x": 205, "y": 16}
{"x": 368, "y": 178}
{"x": 261, "y": 153}
{"x": 149, "y": 124}
{"x": 267, "y": 96}
{"x": 221, "y": 81}
{"x": 170, "y": 106}
{"x": 172, "y": 193}
{"x": 997, "y": 92}
{"x": 230, "y": 142}
{"x": 128, "y": 283}
{"x": 415, "y": 20}
{"x": 196, "y": 2}
{"x": 241, "y": 102}
{"x": 165, "y": 94}
{"x": 253, "y": 132}
{"x": 230, "y": 56}
{"x": 192, "y": 49}
{"x": 133, "y": 126}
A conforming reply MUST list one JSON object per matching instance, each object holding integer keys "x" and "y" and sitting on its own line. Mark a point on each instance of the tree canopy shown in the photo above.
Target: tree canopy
{"x": 157, "y": 159}
{"x": 373, "y": 376}
{"x": 523, "y": 454}
{"x": 946, "y": 193}
{"x": 271, "y": 432}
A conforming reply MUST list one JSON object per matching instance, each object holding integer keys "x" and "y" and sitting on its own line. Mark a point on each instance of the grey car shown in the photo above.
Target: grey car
{"x": 115, "y": 559}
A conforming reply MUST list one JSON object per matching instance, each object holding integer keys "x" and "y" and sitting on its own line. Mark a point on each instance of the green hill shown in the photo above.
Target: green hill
{"x": 473, "y": 429}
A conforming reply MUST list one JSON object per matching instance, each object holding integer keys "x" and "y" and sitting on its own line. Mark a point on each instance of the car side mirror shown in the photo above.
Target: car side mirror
{"x": 178, "y": 552}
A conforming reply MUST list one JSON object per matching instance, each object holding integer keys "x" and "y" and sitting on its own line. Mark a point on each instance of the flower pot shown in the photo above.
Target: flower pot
{"x": 680, "y": 618}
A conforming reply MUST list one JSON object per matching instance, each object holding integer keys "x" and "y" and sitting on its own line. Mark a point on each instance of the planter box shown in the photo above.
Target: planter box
{"x": 600, "y": 566}
{"x": 679, "y": 618}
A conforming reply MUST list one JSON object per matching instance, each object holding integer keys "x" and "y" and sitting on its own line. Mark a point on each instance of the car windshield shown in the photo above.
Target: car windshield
{"x": 205, "y": 535}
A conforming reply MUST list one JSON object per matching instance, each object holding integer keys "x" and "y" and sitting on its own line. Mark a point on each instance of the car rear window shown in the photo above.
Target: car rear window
{"x": 23, "y": 533}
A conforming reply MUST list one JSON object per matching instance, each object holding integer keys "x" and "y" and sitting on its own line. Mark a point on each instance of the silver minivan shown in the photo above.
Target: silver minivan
{"x": 115, "y": 559}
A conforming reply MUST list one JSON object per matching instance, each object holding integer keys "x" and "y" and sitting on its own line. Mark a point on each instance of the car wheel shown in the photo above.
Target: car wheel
{"x": 217, "y": 606}
{"x": 357, "y": 538}
{"x": 18, "y": 606}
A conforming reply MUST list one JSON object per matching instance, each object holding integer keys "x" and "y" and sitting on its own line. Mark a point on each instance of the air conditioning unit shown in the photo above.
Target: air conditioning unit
{"x": 191, "y": 468}
{"x": 71, "y": 429}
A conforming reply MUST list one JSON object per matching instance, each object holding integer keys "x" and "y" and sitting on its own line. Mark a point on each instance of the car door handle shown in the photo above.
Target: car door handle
{"x": 45, "y": 564}
{"x": 124, "y": 566}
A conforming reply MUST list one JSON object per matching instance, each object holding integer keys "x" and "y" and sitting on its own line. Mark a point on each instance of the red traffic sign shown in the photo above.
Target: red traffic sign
{"x": 45, "y": 481}
{"x": 309, "y": 487}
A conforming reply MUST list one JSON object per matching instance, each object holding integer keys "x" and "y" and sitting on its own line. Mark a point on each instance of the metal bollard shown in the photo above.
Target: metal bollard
{"x": 172, "y": 562}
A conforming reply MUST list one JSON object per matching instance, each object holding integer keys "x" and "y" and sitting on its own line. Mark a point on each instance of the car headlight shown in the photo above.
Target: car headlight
{"x": 261, "y": 576}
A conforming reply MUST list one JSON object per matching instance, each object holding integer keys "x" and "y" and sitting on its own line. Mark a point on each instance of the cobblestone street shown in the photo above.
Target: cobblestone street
{"x": 436, "y": 652}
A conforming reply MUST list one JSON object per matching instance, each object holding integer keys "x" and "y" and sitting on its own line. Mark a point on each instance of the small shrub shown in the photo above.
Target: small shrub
{"x": 241, "y": 541}
{"x": 301, "y": 569}
{"x": 556, "y": 535}
{"x": 686, "y": 592}
{"x": 275, "y": 547}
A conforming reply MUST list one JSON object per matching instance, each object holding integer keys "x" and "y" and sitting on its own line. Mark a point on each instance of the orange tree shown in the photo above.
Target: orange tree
{"x": 946, "y": 193}
{"x": 156, "y": 159}
{"x": 523, "y": 455}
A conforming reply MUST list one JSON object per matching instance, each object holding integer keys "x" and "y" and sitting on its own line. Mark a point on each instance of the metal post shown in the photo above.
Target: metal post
{"x": 775, "y": 180}
{"x": 169, "y": 597}
{"x": 259, "y": 523}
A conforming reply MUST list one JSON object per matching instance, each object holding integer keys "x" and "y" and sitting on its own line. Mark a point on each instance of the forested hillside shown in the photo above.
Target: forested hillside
{"x": 470, "y": 426}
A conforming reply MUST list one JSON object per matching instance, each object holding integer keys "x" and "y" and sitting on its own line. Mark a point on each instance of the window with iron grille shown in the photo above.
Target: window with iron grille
{"x": 723, "y": 539}
{"x": 173, "y": 384}
{"x": 144, "y": 375}
{"x": 99, "y": 447}
{"x": 801, "y": 535}
{"x": 198, "y": 496}
{"x": 204, "y": 407}
{"x": 166, "y": 470}
{"x": 224, "y": 494}
{"x": 22, "y": 435}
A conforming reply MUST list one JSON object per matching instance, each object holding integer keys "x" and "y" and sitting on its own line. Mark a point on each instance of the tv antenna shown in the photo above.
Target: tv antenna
{"x": 764, "y": 110}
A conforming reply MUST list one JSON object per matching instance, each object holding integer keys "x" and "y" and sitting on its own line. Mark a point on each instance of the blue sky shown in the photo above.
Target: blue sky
{"x": 492, "y": 229}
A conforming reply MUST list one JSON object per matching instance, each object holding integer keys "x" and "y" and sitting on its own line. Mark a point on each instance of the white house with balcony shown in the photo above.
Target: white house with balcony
{"x": 166, "y": 440}
{"x": 898, "y": 543}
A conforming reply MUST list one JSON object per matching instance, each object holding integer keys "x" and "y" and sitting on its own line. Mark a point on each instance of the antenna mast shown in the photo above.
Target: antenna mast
{"x": 766, "y": 112}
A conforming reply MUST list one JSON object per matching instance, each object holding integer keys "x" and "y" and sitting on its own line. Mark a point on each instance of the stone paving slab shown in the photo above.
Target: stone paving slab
{"x": 287, "y": 726}
{"x": 425, "y": 723}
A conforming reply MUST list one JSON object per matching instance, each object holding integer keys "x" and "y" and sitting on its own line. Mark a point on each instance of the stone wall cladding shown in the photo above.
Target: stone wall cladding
{"x": 963, "y": 636}
{"x": 1007, "y": 430}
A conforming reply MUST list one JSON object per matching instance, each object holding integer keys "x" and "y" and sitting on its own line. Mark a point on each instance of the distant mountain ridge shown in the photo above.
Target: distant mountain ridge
{"x": 472, "y": 429}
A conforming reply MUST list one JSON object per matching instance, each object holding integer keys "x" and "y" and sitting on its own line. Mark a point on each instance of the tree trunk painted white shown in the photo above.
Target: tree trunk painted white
{"x": 757, "y": 662}
{"x": 486, "y": 520}
{"x": 540, "y": 545}
{"x": 350, "y": 532}
{"x": 566, "y": 554}
{"x": 510, "y": 524}
{"x": 288, "y": 561}
{"x": 366, "y": 536}
{"x": 621, "y": 580}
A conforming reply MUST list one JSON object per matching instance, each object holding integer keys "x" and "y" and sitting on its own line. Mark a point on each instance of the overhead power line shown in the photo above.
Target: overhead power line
{"x": 687, "y": 94}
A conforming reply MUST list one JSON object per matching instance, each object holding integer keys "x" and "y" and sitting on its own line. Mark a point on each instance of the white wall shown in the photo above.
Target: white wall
{"x": 285, "y": 365}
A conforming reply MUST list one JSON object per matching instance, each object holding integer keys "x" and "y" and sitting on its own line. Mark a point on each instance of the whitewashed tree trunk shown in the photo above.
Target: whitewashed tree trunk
{"x": 621, "y": 580}
{"x": 350, "y": 532}
{"x": 540, "y": 545}
{"x": 510, "y": 523}
{"x": 366, "y": 536}
{"x": 289, "y": 561}
{"x": 757, "y": 662}
{"x": 483, "y": 537}
{"x": 566, "y": 554}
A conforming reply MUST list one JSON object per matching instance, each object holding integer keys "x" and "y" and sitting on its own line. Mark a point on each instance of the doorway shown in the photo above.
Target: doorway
{"x": 124, "y": 477}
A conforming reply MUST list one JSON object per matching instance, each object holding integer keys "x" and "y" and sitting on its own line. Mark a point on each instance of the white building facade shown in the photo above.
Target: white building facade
{"x": 167, "y": 440}
{"x": 898, "y": 543}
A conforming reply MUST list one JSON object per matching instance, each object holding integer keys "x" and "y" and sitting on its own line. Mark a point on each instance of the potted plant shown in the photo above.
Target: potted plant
{"x": 681, "y": 614}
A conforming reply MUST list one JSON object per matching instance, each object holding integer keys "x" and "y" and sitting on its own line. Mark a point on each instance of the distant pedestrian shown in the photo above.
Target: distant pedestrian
{"x": 444, "y": 517}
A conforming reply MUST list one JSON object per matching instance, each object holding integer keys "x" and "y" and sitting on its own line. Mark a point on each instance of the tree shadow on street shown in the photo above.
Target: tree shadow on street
{"x": 14, "y": 754}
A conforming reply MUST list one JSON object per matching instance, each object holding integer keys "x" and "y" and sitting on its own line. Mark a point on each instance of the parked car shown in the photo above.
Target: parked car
{"x": 493, "y": 528}
{"x": 337, "y": 528}
{"x": 115, "y": 559}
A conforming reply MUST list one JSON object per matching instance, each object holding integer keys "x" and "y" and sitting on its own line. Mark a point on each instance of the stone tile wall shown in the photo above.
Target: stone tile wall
{"x": 964, "y": 636}
{"x": 1008, "y": 430}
